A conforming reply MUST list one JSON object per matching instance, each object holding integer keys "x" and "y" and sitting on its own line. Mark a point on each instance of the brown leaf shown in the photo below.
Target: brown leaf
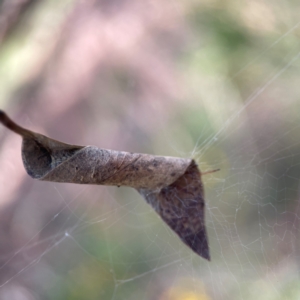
{"x": 171, "y": 185}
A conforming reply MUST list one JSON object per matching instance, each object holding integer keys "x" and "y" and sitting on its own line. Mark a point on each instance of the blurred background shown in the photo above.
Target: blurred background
{"x": 214, "y": 80}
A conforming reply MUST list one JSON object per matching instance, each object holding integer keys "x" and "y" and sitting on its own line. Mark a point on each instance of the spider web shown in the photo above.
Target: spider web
{"x": 93, "y": 242}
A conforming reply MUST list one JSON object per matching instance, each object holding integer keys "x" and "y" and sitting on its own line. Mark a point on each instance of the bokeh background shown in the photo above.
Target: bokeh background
{"x": 216, "y": 80}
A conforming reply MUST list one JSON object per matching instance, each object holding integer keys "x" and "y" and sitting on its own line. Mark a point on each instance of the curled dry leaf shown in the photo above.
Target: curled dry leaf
{"x": 171, "y": 185}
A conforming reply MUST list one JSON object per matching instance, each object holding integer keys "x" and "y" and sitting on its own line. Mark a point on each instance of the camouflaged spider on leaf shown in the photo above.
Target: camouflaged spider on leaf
{"x": 171, "y": 185}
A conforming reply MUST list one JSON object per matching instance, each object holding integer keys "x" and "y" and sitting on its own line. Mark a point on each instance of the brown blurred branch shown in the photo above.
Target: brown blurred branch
{"x": 10, "y": 14}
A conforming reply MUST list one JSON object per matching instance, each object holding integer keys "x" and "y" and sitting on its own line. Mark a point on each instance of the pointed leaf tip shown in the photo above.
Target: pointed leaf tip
{"x": 198, "y": 243}
{"x": 181, "y": 205}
